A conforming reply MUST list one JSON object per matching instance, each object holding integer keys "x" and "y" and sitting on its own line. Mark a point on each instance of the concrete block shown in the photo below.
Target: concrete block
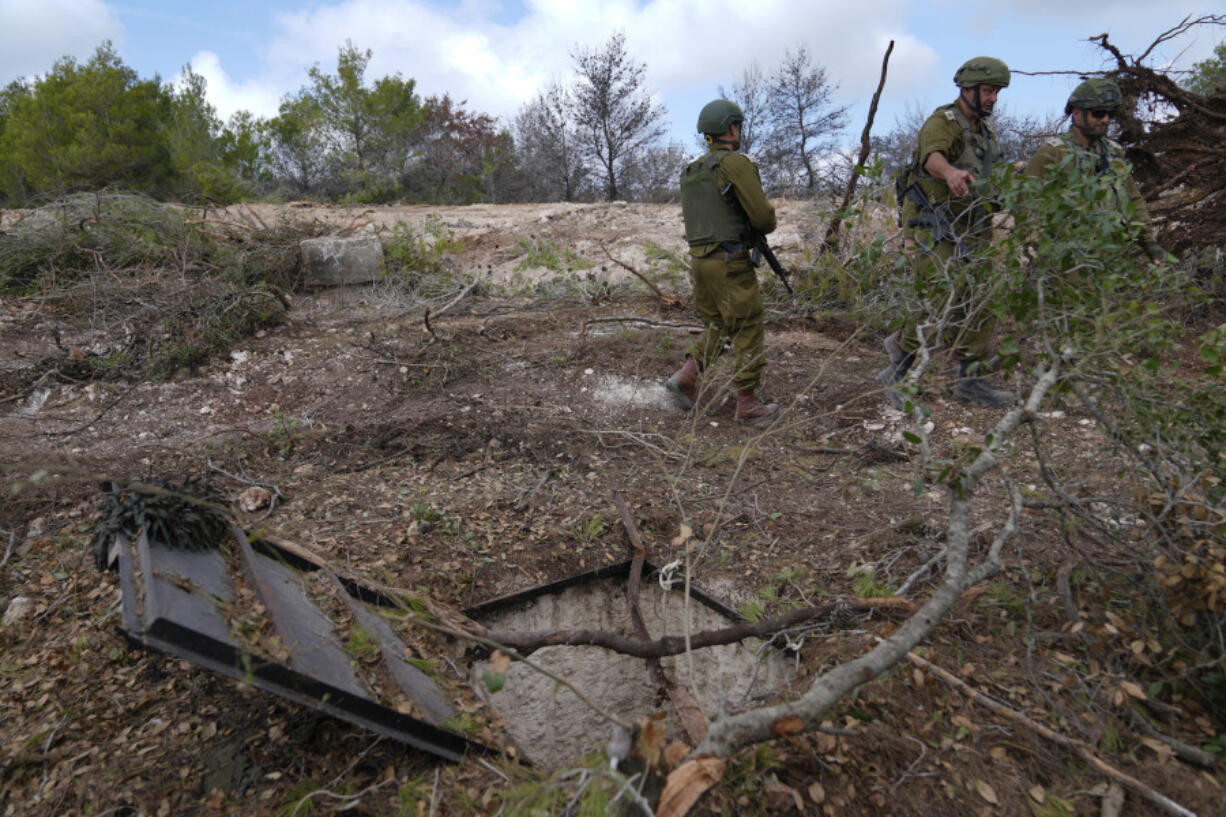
{"x": 335, "y": 262}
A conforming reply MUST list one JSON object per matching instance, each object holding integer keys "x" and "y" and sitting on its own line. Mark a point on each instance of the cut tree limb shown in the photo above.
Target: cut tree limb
{"x": 527, "y": 642}
{"x": 828, "y": 243}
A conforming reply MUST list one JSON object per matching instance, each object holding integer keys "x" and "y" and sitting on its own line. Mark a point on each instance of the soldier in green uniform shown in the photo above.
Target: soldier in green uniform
{"x": 722, "y": 201}
{"x": 947, "y": 221}
{"x": 1091, "y": 107}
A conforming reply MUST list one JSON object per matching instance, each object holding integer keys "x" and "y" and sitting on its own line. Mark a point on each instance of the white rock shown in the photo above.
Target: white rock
{"x": 254, "y": 498}
{"x": 19, "y": 608}
{"x": 331, "y": 262}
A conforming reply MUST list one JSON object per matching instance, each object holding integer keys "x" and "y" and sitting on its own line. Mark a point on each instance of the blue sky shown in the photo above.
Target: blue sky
{"x": 497, "y": 55}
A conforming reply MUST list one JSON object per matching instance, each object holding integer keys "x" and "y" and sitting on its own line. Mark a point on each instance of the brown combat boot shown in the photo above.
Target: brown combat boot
{"x": 750, "y": 412}
{"x": 684, "y": 384}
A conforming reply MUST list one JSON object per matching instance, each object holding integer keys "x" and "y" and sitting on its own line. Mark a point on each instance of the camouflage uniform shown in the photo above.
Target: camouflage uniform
{"x": 726, "y": 291}
{"x": 949, "y": 132}
{"x": 1103, "y": 158}
{"x": 947, "y": 230}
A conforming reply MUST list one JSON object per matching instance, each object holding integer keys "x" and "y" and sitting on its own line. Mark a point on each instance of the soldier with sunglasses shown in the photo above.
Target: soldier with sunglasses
{"x": 1091, "y": 107}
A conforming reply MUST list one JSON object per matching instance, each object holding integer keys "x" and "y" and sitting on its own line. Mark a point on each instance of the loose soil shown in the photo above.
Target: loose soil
{"x": 508, "y": 423}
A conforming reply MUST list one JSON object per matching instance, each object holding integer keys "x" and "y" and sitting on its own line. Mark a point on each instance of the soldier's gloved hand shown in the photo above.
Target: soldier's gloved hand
{"x": 1156, "y": 251}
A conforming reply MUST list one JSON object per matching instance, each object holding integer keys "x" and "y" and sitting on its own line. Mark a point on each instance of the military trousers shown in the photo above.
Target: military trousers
{"x": 729, "y": 301}
{"x": 968, "y": 325}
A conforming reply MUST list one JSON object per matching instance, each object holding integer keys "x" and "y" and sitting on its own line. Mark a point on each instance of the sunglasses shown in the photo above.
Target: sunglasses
{"x": 1101, "y": 113}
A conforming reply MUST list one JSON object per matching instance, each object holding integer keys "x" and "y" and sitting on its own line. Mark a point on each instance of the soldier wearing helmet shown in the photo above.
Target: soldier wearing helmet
{"x": 721, "y": 201}
{"x": 1091, "y": 107}
{"x": 946, "y": 221}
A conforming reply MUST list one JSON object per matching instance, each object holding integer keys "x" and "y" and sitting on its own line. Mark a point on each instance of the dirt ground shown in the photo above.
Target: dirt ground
{"x": 513, "y": 419}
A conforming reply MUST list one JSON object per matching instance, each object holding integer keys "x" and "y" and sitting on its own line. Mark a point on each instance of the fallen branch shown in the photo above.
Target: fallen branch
{"x": 471, "y": 285}
{"x": 123, "y": 395}
{"x": 691, "y": 327}
{"x": 670, "y": 300}
{"x": 528, "y": 642}
{"x": 1087, "y": 754}
{"x": 729, "y": 734}
{"x": 1183, "y": 751}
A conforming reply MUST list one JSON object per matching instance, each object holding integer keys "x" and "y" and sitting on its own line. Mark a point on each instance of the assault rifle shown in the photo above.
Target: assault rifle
{"x": 936, "y": 217}
{"x": 762, "y": 250}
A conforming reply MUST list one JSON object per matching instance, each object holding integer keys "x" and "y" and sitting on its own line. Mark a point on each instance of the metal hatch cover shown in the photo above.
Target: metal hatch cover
{"x": 174, "y": 600}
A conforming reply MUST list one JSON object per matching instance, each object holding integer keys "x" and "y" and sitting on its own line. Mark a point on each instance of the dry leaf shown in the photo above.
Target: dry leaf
{"x": 675, "y": 753}
{"x": 684, "y": 536}
{"x": 500, "y": 661}
{"x": 687, "y": 783}
{"x": 986, "y": 792}
{"x": 780, "y": 788}
{"x": 962, "y": 721}
{"x": 917, "y": 678}
{"x": 651, "y": 742}
{"x": 1159, "y": 748}
{"x": 1134, "y": 690}
{"x": 1037, "y": 793}
{"x": 817, "y": 793}
{"x": 787, "y": 726}
{"x": 998, "y": 752}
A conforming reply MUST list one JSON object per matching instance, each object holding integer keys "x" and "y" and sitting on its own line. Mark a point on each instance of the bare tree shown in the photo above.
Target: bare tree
{"x": 653, "y": 174}
{"x": 750, "y": 92}
{"x": 549, "y": 146}
{"x": 612, "y": 110}
{"x": 803, "y": 119}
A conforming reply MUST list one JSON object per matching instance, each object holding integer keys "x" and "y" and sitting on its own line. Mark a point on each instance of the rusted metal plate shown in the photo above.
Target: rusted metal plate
{"x": 174, "y": 601}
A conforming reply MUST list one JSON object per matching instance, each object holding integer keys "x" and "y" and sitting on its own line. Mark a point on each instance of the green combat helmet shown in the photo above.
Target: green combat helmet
{"x": 982, "y": 71}
{"x": 1095, "y": 93}
{"x": 718, "y": 115}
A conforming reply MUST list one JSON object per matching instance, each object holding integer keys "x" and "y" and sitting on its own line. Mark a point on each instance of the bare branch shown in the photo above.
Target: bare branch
{"x": 1087, "y": 754}
{"x": 528, "y": 642}
{"x": 729, "y": 734}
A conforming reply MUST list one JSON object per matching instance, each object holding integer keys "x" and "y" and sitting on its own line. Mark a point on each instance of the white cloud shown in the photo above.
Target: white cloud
{"x": 36, "y": 33}
{"x": 227, "y": 96}
{"x": 690, "y": 46}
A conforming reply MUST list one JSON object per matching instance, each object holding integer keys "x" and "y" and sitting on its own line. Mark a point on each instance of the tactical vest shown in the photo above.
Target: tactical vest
{"x": 712, "y": 216}
{"x": 1104, "y": 159}
{"x": 979, "y": 153}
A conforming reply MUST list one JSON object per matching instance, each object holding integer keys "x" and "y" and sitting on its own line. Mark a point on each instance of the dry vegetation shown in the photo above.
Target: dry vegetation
{"x": 508, "y": 426}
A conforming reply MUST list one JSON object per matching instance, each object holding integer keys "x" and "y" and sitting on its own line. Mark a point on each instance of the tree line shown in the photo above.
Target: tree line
{"x": 343, "y": 136}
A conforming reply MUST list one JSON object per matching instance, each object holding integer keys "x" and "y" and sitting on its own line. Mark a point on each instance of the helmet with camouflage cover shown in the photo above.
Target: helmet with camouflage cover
{"x": 982, "y": 71}
{"x": 1095, "y": 93}
{"x": 718, "y": 115}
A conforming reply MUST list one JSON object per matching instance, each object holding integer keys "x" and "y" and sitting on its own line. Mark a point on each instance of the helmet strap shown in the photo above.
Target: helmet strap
{"x": 979, "y": 111}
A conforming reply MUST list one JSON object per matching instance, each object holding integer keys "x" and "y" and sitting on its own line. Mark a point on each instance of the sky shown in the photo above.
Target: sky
{"x": 498, "y": 55}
